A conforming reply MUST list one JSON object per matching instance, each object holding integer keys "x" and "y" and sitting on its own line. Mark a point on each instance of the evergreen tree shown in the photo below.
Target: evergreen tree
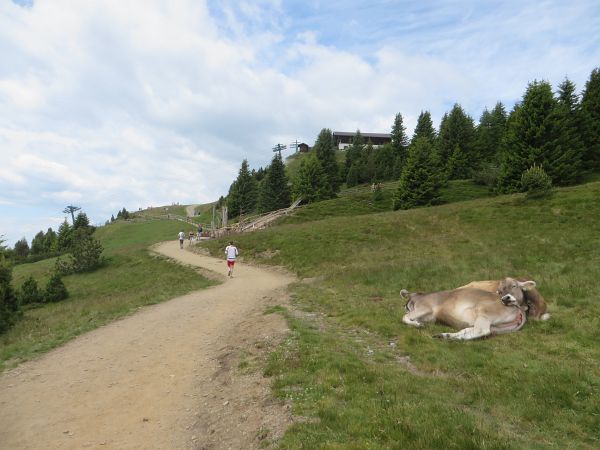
{"x": 353, "y": 177}
{"x": 489, "y": 133}
{"x": 570, "y": 147}
{"x": 399, "y": 143}
{"x": 9, "y": 306}
{"x": 311, "y": 182}
{"x": 29, "y": 292}
{"x": 64, "y": 236}
{"x": 38, "y": 246}
{"x": 55, "y": 289}
{"x": 21, "y": 248}
{"x": 424, "y": 128}
{"x": 536, "y": 134}
{"x": 367, "y": 163}
{"x": 51, "y": 241}
{"x": 456, "y": 142}
{"x": 354, "y": 151}
{"x": 246, "y": 193}
{"x": 274, "y": 192}
{"x": 385, "y": 163}
{"x": 325, "y": 150}
{"x": 82, "y": 221}
{"x": 590, "y": 107}
{"x": 420, "y": 181}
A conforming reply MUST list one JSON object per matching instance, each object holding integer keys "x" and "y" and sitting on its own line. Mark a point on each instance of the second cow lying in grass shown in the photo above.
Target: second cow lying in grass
{"x": 475, "y": 312}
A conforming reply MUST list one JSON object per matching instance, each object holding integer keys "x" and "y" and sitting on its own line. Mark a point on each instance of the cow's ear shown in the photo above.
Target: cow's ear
{"x": 527, "y": 285}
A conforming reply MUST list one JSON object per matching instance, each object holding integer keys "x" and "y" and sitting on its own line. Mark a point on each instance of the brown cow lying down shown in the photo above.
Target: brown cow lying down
{"x": 533, "y": 298}
{"x": 475, "y": 312}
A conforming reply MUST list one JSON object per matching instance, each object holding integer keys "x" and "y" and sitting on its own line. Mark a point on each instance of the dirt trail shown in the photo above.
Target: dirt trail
{"x": 164, "y": 378}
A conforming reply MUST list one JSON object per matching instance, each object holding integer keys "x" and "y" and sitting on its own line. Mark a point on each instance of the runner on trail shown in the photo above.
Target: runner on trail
{"x": 181, "y": 238}
{"x": 231, "y": 251}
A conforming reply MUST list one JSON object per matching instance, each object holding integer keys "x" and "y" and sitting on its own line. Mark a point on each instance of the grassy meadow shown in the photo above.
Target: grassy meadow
{"x": 131, "y": 278}
{"x": 366, "y": 380}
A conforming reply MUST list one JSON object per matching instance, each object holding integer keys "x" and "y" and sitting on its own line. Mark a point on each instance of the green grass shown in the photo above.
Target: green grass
{"x": 538, "y": 388}
{"x": 131, "y": 278}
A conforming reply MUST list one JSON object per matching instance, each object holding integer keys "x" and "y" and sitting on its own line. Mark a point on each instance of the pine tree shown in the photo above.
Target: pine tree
{"x": 37, "y": 244}
{"x": 21, "y": 248}
{"x": 354, "y": 151}
{"x": 570, "y": 148}
{"x": 55, "y": 289}
{"x": 64, "y": 236}
{"x": 50, "y": 241}
{"x": 456, "y": 141}
{"x": 424, "y": 128}
{"x": 590, "y": 107}
{"x": 246, "y": 193}
{"x": 489, "y": 133}
{"x": 420, "y": 180}
{"x": 82, "y": 221}
{"x": 9, "y": 306}
{"x": 274, "y": 192}
{"x": 325, "y": 150}
{"x": 536, "y": 134}
{"x": 385, "y": 163}
{"x": 311, "y": 182}
{"x": 399, "y": 143}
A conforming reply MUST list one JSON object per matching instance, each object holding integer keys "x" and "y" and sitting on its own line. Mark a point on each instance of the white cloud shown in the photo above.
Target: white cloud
{"x": 110, "y": 104}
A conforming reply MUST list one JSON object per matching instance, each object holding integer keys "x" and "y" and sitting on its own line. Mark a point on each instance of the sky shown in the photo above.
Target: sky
{"x": 106, "y": 104}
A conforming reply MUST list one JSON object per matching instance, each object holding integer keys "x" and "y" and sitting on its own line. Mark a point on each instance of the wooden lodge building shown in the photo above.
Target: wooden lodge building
{"x": 343, "y": 139}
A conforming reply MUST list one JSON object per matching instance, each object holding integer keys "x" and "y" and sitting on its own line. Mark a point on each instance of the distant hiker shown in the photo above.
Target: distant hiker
{"x": 191, "y": 237}
{"x": 231, "y": 251}
{"x": 181, "y": 238}
{"x": 199, "y": 231}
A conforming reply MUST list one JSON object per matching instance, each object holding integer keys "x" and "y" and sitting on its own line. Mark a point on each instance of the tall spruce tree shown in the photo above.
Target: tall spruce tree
{"x": 536, "y": 134}
{"x": 424, "y": 128}
{"x": 399, "y": 144}
{"x": 456, "y": 143}
{"x": 570, "y": 143}
{"x": 311, "y": 182}
{"x": 354, "y": 151}
{"x": 420, "y": 181}
{"x": 590, "y": 114}
{"x": 9, "y": 306}
{"x": 274, "y": 192}
{"x": 245, "y": 195}
{"x": 64, "y": 237}
{"x": 325, "y": 150}
{"x": 489, "y": 133}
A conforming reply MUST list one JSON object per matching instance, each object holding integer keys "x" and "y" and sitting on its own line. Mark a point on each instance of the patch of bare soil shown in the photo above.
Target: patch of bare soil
{"x": 185, "y": 374}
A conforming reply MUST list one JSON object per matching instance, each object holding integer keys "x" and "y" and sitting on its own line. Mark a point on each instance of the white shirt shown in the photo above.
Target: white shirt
{"x": 181, "y": 235}
{"x": 231, "y": 251}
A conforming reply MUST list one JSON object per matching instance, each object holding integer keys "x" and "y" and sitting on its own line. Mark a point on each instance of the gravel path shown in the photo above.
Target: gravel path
{"x": 166, "y": 377}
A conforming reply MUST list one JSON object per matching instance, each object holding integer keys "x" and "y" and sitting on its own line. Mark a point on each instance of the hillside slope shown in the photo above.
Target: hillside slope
{"x": 373, "y": 382}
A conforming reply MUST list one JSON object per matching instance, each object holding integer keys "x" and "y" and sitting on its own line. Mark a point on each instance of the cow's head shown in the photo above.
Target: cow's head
{"x": 511, "y": 291}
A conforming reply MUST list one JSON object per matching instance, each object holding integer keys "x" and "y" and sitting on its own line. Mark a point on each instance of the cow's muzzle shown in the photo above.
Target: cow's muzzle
{"x": 508, "y": 300}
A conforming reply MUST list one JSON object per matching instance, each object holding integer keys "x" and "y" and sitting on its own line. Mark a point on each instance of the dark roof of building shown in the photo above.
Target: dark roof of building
{"x": 376, "y": 135}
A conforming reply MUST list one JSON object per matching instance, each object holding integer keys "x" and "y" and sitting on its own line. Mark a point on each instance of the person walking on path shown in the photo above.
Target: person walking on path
{"x": 231, "y": 251}
{"x": 181, "y": 238}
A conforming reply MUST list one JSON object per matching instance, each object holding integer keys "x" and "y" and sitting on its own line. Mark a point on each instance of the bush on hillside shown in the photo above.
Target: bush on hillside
{"x": 55, "y": 289}
{"x": 86, "y": 254}
{"x": 536, "y": 183}
{"x": 9, "y": 306}
{"x": 29, "y": 292}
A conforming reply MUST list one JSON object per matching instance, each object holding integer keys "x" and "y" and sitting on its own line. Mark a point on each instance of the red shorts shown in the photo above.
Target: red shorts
{"x": 230, "y": 262}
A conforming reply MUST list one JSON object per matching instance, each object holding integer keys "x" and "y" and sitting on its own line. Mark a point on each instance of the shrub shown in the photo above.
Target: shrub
{"x": 9, "y": 307}
{"x": 486, "y": 175}
{"x": 29, "y": 292}
{"x": 55, "y": 289}
{"x": 86, "y": 254}
{"x": 535, "y": 182}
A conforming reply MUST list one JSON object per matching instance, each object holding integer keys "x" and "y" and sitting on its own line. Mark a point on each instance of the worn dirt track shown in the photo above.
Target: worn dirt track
{"x": 165, "y": 377}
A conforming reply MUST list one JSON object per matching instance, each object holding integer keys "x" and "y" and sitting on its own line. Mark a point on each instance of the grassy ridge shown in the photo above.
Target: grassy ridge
{"x": 539, "y": 388}
{"x": 130, "y": 279}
